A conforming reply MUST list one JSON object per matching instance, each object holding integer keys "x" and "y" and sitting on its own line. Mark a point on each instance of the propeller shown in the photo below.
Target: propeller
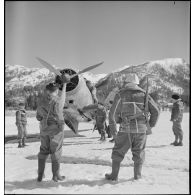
{"x": 57, "y": 72}
{"x": 49, "y": 66}
{"x": 87, "y": 69}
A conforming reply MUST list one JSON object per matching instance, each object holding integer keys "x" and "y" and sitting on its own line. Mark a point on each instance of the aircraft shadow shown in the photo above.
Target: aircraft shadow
{"x": 158, "y": 146}
{"x": 81, "y": 160}
{"x": 93, "y": 138}
{"x": 36, "y": 137}
{"x": 103, "y": 149}
{"x": 76, "y": 143}
{"x": 31, "y": 184}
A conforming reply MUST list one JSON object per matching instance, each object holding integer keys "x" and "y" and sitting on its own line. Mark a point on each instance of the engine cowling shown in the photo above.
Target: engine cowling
{"x": 77, "y": 94}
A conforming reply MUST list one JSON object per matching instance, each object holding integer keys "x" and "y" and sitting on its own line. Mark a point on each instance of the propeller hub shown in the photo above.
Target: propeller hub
{"x": 73, "y": 81}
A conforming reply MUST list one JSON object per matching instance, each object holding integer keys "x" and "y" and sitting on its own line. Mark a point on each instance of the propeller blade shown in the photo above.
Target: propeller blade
{"x": 49, "y": 66}
{"x": 87, "y": 69}
{"x": 90, "y": 68}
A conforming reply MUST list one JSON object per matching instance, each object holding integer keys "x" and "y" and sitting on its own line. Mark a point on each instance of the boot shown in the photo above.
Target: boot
{"x": 176, "y": 140}
{"x": 109, "y": 133}
{"x": 174, "y": 143}
{"x": 179, "y": 144}
{"x": 103, "y": 137}
{"x": 137, "y": 171}
{"x": 115, "y": 170}
{"x": 112, "y": 140}
{"x": 20, "y": 144}
{"x": 41, "y": 168}
{"x": 55, "y": 170}
{"x": 23, "y": 142}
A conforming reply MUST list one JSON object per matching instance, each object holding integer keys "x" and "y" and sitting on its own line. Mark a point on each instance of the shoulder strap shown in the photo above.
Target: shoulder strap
{"x": 48, "y": 112}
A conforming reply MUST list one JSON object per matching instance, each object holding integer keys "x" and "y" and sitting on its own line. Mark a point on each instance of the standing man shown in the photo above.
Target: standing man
{"x": 176, "y": 118}
{"x": 50, "y": 115}
{"x": 128, "y": 110}
{"x": 21, "y": 122}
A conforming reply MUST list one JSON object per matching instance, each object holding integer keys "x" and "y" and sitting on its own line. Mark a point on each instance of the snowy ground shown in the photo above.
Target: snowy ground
{"x": 85, "y": 162}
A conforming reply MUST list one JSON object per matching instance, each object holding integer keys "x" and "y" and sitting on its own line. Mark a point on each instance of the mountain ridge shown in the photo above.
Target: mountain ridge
{"x": 171, "y": 75}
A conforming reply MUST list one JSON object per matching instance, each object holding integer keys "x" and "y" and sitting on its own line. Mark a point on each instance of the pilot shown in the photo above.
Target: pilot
{"x": 21, "y": 121}
{"x": 132, "y": 131}
{"x": 92, "y": 89}
{"x": 50, "y": 115}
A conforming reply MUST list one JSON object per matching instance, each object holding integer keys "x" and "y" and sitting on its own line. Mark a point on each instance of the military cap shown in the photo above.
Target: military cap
{"x": 51, "y": 87}
{"x": 175, "y": 96}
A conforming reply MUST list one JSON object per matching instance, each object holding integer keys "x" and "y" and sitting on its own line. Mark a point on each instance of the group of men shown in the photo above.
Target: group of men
{"x": 128, "y": 109}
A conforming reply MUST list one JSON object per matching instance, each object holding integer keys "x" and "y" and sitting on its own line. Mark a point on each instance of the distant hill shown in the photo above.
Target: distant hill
{"x": 171, "y": 75}
{"x": 18, "y": 77}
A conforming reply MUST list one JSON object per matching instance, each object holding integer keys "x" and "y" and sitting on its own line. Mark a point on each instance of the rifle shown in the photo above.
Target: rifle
{"x": 148, "y": 131}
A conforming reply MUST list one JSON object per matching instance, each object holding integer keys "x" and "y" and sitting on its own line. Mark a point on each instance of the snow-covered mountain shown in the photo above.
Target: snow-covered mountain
{"x": 92, "y": 77}
{"x": 17, "y": 76}
{"x": 171, "y": 74}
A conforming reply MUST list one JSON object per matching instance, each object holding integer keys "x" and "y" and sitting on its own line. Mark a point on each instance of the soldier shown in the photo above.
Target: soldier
{"x": 128, "y": 110}
{"x": 21, "y": 122}
{"x": 176, "y": 118}
{"x": 107, "y": 129}
{"x": 92, "y": 89}
{"x": 50, "y": 115}
{"x": 100, "y": 117}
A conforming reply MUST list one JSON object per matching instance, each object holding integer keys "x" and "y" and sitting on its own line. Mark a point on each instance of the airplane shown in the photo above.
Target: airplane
{"x": 78, "y": 94}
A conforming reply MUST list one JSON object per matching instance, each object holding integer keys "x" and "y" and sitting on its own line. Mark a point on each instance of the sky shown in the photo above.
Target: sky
{"x": 76, "y": 34}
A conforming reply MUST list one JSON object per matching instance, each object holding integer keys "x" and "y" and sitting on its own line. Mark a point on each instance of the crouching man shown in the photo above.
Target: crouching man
{"x": 100, "y": 117}
{"x": 50, "y": 115}
{"x": 128, "y": 108}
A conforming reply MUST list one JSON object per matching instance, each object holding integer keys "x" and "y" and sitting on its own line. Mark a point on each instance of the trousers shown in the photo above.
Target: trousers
{"x": 177, "y": 130}
{"x": 51, "y": 144}
{"x": 21, "y": 131}
{"x": 135, "y": 141}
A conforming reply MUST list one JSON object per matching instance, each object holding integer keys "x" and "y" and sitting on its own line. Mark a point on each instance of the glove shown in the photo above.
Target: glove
{"x": 61, "y": 125}
{"x": 65, "y": 78}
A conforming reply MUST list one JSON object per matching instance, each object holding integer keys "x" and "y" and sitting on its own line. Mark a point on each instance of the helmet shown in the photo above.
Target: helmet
{"x": 132, "y": 78}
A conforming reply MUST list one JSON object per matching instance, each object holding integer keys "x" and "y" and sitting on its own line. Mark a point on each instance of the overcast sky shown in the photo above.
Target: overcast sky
{"x": 78, "y": 34}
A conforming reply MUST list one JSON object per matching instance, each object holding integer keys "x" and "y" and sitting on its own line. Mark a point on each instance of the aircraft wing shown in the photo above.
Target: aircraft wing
{"x": 72, "y": 123}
